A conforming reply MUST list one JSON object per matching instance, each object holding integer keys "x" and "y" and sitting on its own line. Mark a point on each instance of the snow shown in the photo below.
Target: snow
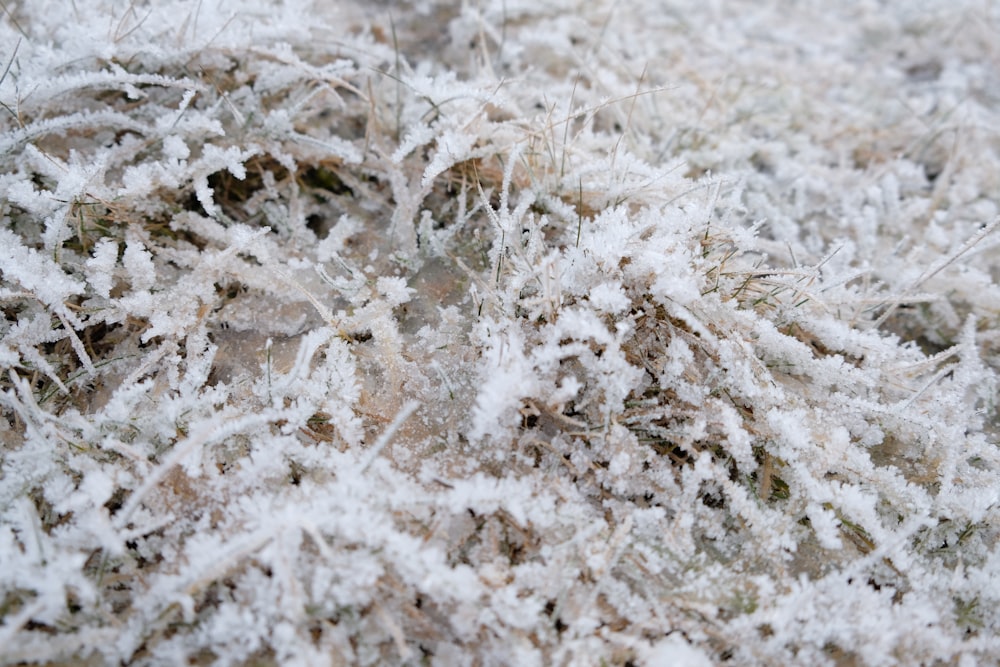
{"x": 499, "y": 333}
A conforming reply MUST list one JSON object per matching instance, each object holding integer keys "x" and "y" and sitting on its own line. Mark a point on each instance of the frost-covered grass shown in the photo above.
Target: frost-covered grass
{"x": 510, "y": 332}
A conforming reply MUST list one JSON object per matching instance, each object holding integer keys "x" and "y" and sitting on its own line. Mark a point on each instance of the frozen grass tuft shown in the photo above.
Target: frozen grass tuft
{"x": 509, "y": 333}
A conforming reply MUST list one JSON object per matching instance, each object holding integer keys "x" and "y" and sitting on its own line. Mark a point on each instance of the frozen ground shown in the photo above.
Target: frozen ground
{"x": 506, "y": 332}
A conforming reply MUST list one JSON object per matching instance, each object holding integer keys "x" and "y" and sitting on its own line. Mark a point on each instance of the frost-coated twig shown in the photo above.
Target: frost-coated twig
{"x": 387, "y": 435}
{"x": 13, "y": 624}
{"x": 936, "y": 268}
{"x": 323, "y": 311}
{"x": 181, "y": 450}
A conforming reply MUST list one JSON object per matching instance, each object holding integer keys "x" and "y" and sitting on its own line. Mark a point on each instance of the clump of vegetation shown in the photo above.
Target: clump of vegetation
{"x": 497, "y": 335}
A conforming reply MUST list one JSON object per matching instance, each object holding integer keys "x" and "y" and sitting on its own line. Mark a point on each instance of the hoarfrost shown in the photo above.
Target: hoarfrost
{"x": 466, "y": 335}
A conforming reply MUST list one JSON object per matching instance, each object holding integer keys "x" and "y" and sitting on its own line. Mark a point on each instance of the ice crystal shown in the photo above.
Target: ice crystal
{"x": 498, "y": 333}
